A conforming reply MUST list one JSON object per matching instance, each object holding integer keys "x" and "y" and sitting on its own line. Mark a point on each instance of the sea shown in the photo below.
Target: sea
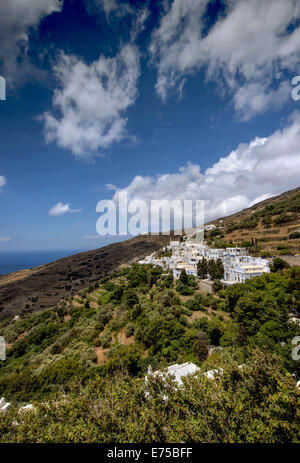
{"x": 12, "y": 261}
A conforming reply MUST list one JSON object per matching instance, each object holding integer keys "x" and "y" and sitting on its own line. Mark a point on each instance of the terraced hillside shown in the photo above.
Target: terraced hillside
{"x": 270, "y": 228}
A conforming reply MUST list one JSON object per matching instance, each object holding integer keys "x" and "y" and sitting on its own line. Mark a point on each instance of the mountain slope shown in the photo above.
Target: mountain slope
{"x": 82, "y": 363}
{"x": 273, "y": 225}
{"x": 44, "y": 286}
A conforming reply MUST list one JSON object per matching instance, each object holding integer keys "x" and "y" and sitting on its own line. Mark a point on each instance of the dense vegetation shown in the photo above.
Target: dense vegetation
{"x": 281, "y": 212}
{"x": 82, "y": 362}
{"x": 256, "y": 404}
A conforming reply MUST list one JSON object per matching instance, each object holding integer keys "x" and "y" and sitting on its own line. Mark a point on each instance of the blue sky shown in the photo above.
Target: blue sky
{"x": 163, "y": 100}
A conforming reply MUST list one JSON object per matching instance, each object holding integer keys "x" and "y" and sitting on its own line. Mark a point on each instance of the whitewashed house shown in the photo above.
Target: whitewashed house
{"x": 214, "y": 254}
{"x": 176, "y": 371}
{"x": 25, "y": 408}
{"x": 239, "y": 272}
{"x": 238, "y": 265}
{"x": 236, "y": 251}
{"x": 238, "y": 269}
{"x": 190, "y": 270}
{"x": 4, "y": 406}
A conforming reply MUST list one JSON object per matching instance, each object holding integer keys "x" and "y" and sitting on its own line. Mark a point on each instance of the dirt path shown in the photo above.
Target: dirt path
{"x": 122, "y": 339}
{"x": 292, "y": 260}
{"x": 101, "y": 355}
{"x": 198, "y": 314}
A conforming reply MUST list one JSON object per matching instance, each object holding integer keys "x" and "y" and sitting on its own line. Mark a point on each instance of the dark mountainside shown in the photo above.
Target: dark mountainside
{"x": 44, "y": 286}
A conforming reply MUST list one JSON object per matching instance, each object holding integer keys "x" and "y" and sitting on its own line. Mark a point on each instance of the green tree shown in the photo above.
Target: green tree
{"x": 202, "y": 268}
{"x": 212, "y": 268}
{"x": 217, "y": 285}
{"x": 200, "y": 349}
{"x": 279, "y": 264}
{"x": 183, "y": 277}
{"x": 130, "y": 298}
{"x": 219, "y": 270}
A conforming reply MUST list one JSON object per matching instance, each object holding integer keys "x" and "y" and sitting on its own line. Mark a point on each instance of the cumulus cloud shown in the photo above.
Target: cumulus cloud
{"x": 17, "y": 17}
{"x": 92, "y": 100}
{"x": 3, "y": 239}
{"x": 253, "y": 99}
{"x": 60, "y": 209}
{"x": 248, "y": 51}
{"x": 250, "y": 173}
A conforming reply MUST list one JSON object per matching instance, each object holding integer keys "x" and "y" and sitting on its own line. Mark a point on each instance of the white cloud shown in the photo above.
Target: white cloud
{"x": 249, "y": 174}
{"x": 109, "y": 7}
{"x": 60, "y": 209}
{"x": 253, "y": 99}
{"x": 110, "y": 186}
{"x": 16, "y": 19}
{"x": 92, "y": 101}
{"x": 3, "y": 239}
{"x": 248, "y": 50}
{"x": 139, "y": 20}
{"x": 261, "y": 198}
{"x": 2, "y": 181}
{"x": 136, "y": 17}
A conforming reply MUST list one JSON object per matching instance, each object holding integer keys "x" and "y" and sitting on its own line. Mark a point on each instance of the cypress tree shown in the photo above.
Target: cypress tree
{"x": 183, "y": 277}
{"x": 202, "y": 268}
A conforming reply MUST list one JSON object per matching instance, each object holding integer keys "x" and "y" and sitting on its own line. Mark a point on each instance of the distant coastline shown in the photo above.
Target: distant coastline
{"x": 13, "y": 261}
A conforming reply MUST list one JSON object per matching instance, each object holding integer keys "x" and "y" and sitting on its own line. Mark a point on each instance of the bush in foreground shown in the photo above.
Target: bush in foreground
{"x": 256, "y": 403}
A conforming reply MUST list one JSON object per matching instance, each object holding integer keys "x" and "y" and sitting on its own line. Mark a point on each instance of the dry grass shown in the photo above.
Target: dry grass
{"x": 122, "y": 339}
{"x": 101, "y": 355}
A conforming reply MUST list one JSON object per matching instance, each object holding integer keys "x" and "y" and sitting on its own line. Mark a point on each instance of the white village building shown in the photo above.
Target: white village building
{"x": 4, "y": 406}
{"x": 175, "y": 371}
{"x": 240, "y": 269}
{"x": 238, "y": 265}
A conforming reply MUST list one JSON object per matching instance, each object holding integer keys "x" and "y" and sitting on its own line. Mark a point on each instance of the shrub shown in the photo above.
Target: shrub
{"x": 106, "y": 339}
{"x": 184, "y": 290}
{"x": 217, "y": 286}
{"x": 294, "y": 235}
{"x": 279, "y": 264}
{"x": 130, "y": 298}
{"x": 129, "y": 330}
{"x": 200, "y": 349}
{"x": 257, "y": 404}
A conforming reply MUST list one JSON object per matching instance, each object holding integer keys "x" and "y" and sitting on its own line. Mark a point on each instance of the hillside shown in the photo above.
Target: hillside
{"x": 82, "y": 363}
{"x": 270, "y": 227}
{"x": 44, "y": 286}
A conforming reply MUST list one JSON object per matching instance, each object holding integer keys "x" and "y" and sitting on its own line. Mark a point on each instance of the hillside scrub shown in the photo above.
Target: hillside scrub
{"x": 54, "y": 352}
{"x": 256, "y": 403}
